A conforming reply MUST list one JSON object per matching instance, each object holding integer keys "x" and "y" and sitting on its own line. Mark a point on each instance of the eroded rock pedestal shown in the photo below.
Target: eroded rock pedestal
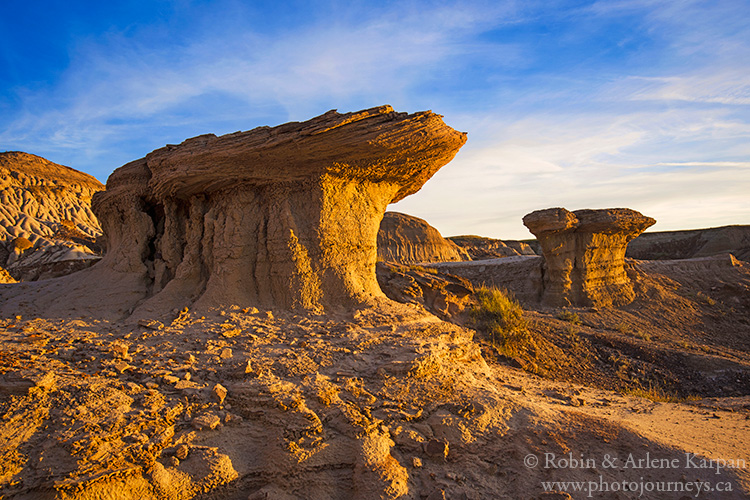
{"x": 584, "y": 254}
{"x": 275, "y": 217}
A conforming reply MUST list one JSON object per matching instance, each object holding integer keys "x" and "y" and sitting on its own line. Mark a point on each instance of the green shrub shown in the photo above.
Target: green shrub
{"x": 502, "y": 318}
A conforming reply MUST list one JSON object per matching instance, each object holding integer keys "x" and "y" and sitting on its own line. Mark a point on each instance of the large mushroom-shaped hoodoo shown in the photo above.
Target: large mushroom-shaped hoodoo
{"x": 281, "y": 217}
{"x": 584, "y": 254}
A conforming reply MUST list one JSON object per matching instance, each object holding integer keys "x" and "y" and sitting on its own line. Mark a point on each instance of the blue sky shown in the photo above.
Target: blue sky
{"x": 642, "y": 104}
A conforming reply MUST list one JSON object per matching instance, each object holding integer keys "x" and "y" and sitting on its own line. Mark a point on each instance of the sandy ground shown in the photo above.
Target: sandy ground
{"x": 385, "y": 403}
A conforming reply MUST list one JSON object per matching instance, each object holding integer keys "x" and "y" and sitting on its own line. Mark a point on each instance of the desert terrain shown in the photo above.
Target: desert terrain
{"x": 250, "y": 329}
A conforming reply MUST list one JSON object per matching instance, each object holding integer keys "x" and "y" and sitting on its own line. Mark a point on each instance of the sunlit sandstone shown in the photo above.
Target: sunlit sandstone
{"x": 275, "y": 217}
{"x": 584, "y": 254}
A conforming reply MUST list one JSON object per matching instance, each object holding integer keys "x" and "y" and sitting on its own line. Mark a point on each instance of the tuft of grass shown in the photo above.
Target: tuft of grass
{"x": 626, "y": 329}
{"x": 503, "y": 319}
{"x": 705, "y": 299}
{"x": 658, "y": 394}
{"x": 423, "y": 269}
{"x": 642, "y": 335}
{"x": 623, "y": 328}
{"x": 569, "y": 316}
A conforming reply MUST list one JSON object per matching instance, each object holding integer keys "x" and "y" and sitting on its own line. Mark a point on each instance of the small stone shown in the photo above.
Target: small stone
{"x": 120, "y": 366}
{"x": 46, "y": 382}
{"x": 233, "y": 332}
{"x": 250, "y": 310}
{"x": 436, "y": 495}
{"x": 226, "y": 353}
{"x": 181, "y": 451}
{"x": 218, "y": 393}
{"x": 152, "y": 385}
{"x": 416, "y": 462}
{"x": 133, "y": 388}
{"x": 190, "y": 359}
{"x": 269, "y": 314}
{"x": 206, "y": 421}
{"x": 436, "y": 448}
{"x": 120, "y": 350}
{"x": 151, "y": 324}
{"x": 231, "y": 417}
{"x": 171, "y": 379}
{"x": 185, "y": 384}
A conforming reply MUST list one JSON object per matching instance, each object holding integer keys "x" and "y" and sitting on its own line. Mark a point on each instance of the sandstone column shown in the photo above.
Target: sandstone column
{"x": 584, "y": 254}
{"x": 275, "y": 217}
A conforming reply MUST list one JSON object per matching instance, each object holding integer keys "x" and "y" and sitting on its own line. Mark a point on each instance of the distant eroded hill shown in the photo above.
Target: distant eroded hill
{"x": 47, "y": 227}
{"x": 408, "y": 240}
{"x": 691, "y": 244}
{"x": 481, "y": 248}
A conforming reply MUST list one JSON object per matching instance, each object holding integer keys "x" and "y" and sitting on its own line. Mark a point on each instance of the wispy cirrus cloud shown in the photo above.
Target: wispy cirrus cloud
{"x": 120, "y": 86}
{"x": 729, "y": 86}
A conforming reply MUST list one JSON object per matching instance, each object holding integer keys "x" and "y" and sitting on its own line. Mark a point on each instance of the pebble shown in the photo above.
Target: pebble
{"x": 218, "y": 393}
{"x": 436, "y": 448}
{"x": 181, "y": 451}
{"x": 120, "y": 366}
{"x": 185, "y": 384}
{"x": 120, "y": 350}
{"x": 206, "y": 421}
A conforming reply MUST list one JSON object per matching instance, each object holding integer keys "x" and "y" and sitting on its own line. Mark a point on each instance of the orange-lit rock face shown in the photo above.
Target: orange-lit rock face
{"x": 584, "y": 254}
{"x": 274, "y": 217}
{"x": 408, "y": 240}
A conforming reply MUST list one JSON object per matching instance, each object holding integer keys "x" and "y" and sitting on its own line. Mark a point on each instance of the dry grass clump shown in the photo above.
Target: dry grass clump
{"x": 705, "y": 299}
{"x": 569, "y": 316}
{"x": 626, "y": 329}
{"x": 502, "y": 318}
{"x": 423, "y": 269}
{"x": 658, "y": 394}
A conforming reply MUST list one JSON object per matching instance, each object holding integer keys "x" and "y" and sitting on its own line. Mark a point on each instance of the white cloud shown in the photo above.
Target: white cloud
{"x": 648, "y": 161}
{"x": 729, "y": 86}
{"x": 119, "y": 85}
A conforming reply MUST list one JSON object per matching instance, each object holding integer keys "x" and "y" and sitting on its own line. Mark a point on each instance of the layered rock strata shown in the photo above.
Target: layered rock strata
{"x": 407, "y": 239}
{"x": 584, "y": 254}
{"x": 275, "y": 217}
